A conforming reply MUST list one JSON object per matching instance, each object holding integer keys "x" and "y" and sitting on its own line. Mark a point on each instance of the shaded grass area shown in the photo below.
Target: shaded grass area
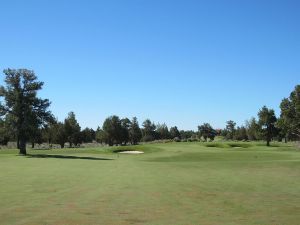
{"x": 245, "y": 145}
{"x": 64, "y": 157}
{"x": 174, "y": 183}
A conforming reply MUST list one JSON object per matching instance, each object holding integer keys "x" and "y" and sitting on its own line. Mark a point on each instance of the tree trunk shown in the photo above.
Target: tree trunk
{"x": 22, "y": 146}
{"x": 18, "y": 143}
{"x": 62, "y": 145}
{"x": 268, "y": 142}
{"x": 32, "y": 145}
{"x": 269, "y": 137}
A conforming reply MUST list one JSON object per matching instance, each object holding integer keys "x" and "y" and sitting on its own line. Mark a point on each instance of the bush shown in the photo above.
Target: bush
{"x": 192, "y": 139}
{"x": 177, "y": 139}
{"x": 148, "y": 138}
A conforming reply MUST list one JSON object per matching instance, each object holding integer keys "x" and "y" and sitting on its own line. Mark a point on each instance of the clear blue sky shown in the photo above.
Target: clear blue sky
{"x": 180, "y": 62}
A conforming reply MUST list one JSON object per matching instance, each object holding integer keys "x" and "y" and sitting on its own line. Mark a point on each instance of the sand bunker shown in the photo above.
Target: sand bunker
{"x": 131, "y": 152}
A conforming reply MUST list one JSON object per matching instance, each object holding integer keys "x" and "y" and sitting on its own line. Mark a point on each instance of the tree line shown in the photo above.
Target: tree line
{"x": 24, "y": 117}
{"x": 268, "y": 127}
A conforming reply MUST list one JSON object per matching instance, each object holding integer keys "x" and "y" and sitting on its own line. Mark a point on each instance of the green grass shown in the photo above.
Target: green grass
{"x": 173, "y": 183}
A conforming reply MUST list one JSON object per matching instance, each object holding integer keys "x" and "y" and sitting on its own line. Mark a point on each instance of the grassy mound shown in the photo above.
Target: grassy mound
{"x": 228, "y": 145}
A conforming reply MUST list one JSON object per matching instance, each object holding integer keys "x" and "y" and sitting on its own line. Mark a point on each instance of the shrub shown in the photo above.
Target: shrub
{"x": 177, "y": 139}
{"x": 148, "y": 138}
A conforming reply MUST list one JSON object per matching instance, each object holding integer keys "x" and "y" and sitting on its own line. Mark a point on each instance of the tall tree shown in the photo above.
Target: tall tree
{"x": 148, "y": 130}
{"x": 290, "y": 115}
{"x": 125, "y": 124}
{"x": 267, "y": 120}
{"x": 72, "y": 129}
{"x": 230, "y": 128}
{"x": 135, "y": 133}
{"x": 162, "y": 131}
{"x": 22, "y": 104}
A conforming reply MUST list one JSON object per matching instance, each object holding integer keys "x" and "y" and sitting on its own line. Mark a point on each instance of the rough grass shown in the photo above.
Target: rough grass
{"x": 174, "y": 183}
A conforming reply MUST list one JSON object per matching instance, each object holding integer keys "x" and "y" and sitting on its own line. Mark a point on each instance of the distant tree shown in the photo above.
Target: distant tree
{"x": 72, "y": 129}
{"x": 285, "y": 122}
{"x": 88, "y": 135}
{"x": 113, "y": 128}
{"x": 22, "y": 104}
{"x": 135, "y": 133}
{"x": 267, "y": 120}
{"x": 294, "y": 120}
{"x": 49, "y": 132}
{"x": 60, "y": 136}
{"x": 4, "y": 133}
{"x": 36, "y": 136}
{"x": 148, "y": 130}
{"x": 289, "y": 121}
{"x": 283, "y": 131}
{"x": 224, "y": 133}
{"x": 206, "y": 131}
{"x": 241, "y": 134}
{"x": 218, "y": 132}
{"x": 125, "y": 124}
{"x": 10, "y": 128}
{"x": 253, "y": 130}
{"x": 174, "y": 133}
{"x": 230, "y": 128}
{"x": 187, "y": 134}
{"x": 162, "y": 131}
{"x": 101, "y": 136}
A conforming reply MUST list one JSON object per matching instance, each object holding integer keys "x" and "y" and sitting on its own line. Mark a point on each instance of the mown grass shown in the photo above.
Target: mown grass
{"x": 174, "y": 183}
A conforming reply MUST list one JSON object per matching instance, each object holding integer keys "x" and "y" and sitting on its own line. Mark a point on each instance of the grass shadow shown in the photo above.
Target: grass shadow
{"x": 43, "y": 156}
{"x": 124, "y": 150}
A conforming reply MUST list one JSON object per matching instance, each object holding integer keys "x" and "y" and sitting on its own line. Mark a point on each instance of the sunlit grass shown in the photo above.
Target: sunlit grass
{"x": 232, "y": 183}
